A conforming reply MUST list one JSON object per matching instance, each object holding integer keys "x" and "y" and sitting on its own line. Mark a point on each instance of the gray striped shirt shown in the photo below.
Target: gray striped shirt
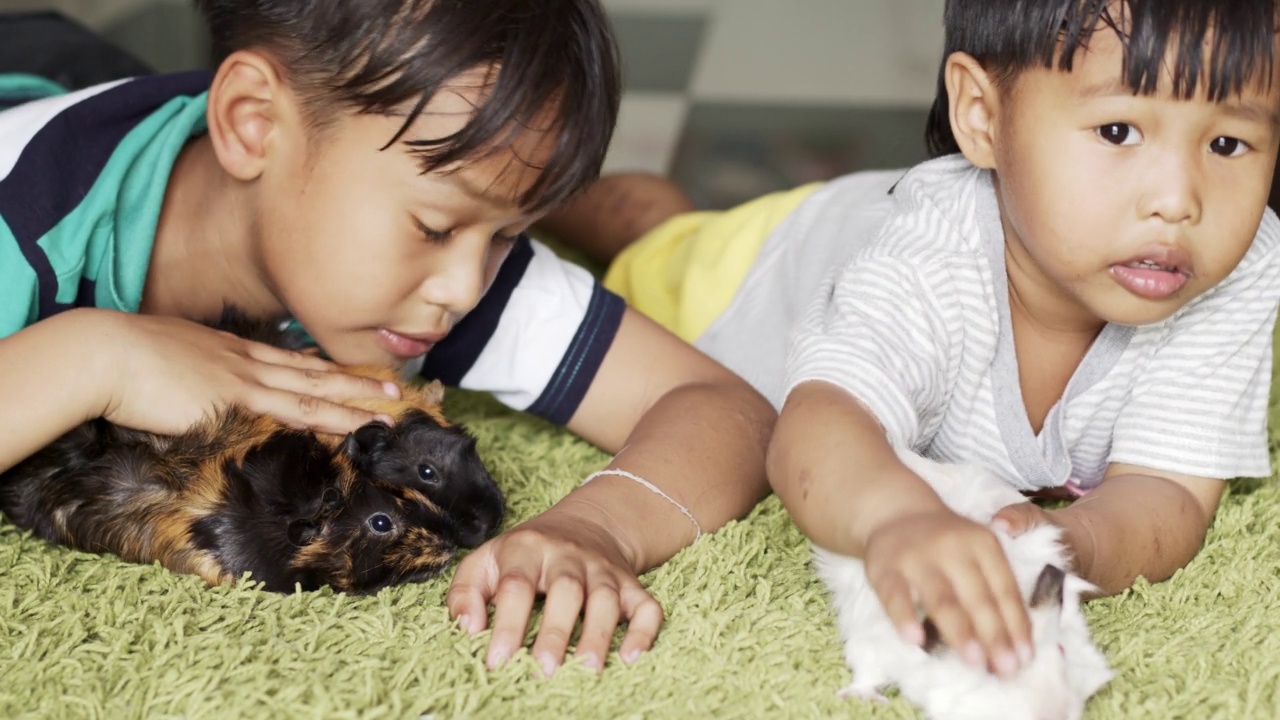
{"x": 911, "y": 317}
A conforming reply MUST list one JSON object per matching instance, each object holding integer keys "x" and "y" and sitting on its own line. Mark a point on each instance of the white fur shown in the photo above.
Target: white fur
{"x": 1054, "y": 686}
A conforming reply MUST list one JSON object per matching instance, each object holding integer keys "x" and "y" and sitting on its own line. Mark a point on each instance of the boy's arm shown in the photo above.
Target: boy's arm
{"x": 677, "y": 419}
{"x": 48, "y": 385}
{"x": 158, "y": 374}
{"x": 1138, "y": 522}
{"x": 833, "y": 468}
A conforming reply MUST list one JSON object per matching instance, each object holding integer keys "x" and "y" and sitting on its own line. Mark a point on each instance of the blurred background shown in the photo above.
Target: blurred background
{"x": 732, "y": 98}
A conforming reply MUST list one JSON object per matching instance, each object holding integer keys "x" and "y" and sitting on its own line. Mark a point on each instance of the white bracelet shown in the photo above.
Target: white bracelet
{"x": 651, "y": 488}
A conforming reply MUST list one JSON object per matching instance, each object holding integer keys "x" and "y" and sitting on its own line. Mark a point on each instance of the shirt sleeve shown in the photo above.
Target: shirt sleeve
{"x": 536, "y": 339}
{"x": 878, "y": 330}
{"x": 1200, "y": 406}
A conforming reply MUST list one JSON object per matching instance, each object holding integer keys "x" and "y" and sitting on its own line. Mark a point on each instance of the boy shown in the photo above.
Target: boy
{"x": 1079, "y": 293}
{"x": 368, "y": 170}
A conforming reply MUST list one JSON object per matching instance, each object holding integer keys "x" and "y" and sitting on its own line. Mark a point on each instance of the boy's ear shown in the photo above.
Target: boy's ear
{"x": 248, "y": 102}
{"x": 974, "y": 100}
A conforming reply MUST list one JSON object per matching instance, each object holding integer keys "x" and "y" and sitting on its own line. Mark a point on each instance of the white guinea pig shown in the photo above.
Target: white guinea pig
{"x": 1067, "y": 668}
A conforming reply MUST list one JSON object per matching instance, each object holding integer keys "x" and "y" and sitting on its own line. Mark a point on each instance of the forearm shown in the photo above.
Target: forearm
{"x": 50, "y": 383}
{"x": 835, "y": 471}
{"x": 703, "y": 445}
{"x": 1131, "y": 526}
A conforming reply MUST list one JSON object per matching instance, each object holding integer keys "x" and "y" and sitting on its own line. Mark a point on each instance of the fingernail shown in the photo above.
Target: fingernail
{"x": 496, "y": 657}
{"x": 391, "y": 389}
{"x": 1001, "y": 525}
{"x": 631, "y": 656}
{"x": 913, "y": 634}
{"x": 548, "y": 664}
{"x": 1006, "y": 663}
{"x": 590, "y": 660}
{"x": 385, "y": 420}
{"x": 1025, "y": 653}
{"x": 973, "y": 655}
{"x": 464, "y": 622}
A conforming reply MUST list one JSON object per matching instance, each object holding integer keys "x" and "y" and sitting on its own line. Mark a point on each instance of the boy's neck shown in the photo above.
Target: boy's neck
{"x": 204, "y": 255}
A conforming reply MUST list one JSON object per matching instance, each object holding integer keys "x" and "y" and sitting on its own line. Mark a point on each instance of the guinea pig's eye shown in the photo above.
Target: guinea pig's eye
{"x": 381, "y": 524}
{"x": 428, "y": 473}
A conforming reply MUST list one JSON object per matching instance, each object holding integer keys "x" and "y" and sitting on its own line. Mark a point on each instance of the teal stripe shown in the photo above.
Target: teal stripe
{"x": 28, "y": 87}
{"x": 108, "y": 238}
{"x": 19, "y": 288}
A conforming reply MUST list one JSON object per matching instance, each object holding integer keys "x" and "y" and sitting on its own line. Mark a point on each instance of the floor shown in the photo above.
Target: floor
{"x": 732, "y": 98}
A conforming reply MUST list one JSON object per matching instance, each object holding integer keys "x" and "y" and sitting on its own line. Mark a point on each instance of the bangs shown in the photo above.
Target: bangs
{"x": 1242, "y": 50}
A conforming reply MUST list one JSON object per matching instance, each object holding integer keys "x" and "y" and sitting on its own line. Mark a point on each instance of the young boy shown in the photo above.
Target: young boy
{"x": 369, "y": 170}
{"x": 1079, "y": 293}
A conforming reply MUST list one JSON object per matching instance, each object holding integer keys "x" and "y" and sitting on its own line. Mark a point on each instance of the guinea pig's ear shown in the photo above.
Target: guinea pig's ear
{"x": 303, "y": 532}
{"x": 1048, "y": 589}
{"x": 367, "y": 440}
{"x": 434, "y": 392}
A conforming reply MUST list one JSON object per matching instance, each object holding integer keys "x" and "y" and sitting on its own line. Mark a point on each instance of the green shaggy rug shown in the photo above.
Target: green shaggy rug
{"x": 748, "y": 633}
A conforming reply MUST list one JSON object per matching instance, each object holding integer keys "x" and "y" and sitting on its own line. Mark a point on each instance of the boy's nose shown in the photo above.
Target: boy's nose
{"x": 459, "y": 273}
{"x": 1172, "y": 189}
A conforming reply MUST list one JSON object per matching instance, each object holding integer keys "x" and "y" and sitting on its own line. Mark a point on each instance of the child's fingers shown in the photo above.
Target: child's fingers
{"x": 309, "y": 412}
{"x": 942, "y": 605}
{"x": 303, "y": 360}
{"x": 560, "y": 611}
{"x": 603, "y": 611}
{"x": 983, "y": 610}
{"x": 1015, "y": 519}
{"x": 895, "y": 596}
{"x": 335, "y": 386}
{"x": 644, "y": 618}
{"x": 1009, "y": 605}
{"x": 468, "y": 596}
{"x": 512, "y": 605}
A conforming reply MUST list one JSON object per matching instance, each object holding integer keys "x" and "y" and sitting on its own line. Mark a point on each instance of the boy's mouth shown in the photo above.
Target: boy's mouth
{"x": 405, "y": 345}
{"x": 1155, "y": 275}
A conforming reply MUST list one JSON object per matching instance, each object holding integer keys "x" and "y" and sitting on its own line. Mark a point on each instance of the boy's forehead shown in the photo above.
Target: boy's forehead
{"x": 502, "y": 171}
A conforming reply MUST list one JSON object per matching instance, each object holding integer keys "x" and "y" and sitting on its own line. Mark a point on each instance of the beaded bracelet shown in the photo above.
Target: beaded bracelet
{"x": 651, "y": 488}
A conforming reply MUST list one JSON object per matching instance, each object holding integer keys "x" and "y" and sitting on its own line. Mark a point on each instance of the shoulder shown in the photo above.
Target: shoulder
{"x": 934, "y": 213}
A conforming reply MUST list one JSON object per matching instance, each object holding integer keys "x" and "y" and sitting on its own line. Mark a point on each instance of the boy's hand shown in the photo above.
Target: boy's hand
{"x": 165, "y": 374}
{"x": 953, "y": 569}
{"x": 581, "y": 571}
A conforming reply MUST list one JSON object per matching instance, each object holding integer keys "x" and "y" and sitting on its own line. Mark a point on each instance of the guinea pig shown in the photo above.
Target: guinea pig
{"x": 243, "y": 493}
{"x": 1068, "y": 668}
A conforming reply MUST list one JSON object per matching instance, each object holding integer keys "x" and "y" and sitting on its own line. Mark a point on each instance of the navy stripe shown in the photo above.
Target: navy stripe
{"x": 563, "y": 394}
{"x": 62, "y": 162}
{"x": 452, "y": 359}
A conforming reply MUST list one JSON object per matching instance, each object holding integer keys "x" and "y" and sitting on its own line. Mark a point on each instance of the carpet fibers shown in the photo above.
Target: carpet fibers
{"x": 748, "y": 631}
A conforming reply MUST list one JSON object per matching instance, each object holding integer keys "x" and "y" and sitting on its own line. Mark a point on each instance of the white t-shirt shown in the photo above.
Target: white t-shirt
{"x": 914, "y": 322}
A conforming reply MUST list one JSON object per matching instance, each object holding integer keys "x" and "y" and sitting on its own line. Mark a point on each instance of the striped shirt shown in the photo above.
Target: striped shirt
{"x": 914, "y": 322}
{"x": 82, "y": 181}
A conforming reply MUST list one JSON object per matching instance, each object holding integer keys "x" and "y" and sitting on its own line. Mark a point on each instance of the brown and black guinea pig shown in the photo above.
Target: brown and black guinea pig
{"x": 244, "y": 493}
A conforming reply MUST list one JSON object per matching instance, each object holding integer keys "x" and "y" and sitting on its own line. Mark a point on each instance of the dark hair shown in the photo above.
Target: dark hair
{"x": 1009, "y": 36}
{"x": 376, "y": 55}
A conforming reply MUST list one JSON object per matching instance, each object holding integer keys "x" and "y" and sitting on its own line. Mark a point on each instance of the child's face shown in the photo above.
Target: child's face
{"x": 1125, "y": 207}
{"x": 374, "y": 258}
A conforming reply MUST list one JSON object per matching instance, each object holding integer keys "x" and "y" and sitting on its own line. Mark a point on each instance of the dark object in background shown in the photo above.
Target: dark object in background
{"x": 52, "y": 46}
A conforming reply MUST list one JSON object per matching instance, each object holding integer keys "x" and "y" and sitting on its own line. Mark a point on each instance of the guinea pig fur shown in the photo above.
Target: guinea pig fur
{"x": 1067, "y": 669}
{"x": 243, "y": 493}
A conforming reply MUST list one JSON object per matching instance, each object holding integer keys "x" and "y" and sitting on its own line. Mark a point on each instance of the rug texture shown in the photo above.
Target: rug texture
{"x": 748, "y": 634}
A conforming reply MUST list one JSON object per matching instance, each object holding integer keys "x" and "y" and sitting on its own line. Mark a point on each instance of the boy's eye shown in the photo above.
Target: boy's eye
{"x": 436, "y": 236}
{"x": 1228, "y": 147}
{"x": 1120, "y": 134}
